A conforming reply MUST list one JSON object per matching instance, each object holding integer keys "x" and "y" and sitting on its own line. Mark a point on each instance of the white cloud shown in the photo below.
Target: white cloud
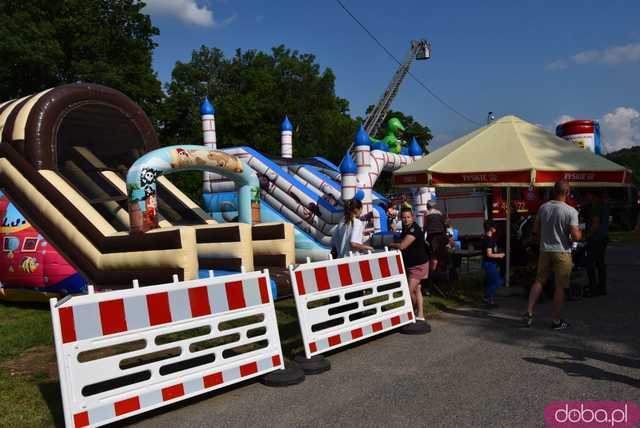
{"x": 586, "y": 57}
{"x": 188, "y": 11}
{"x": 620, "y": 129}
{"x": 613, "y": 55}
{"x": 560, "y": 64}
{"x": 620, "y": 54}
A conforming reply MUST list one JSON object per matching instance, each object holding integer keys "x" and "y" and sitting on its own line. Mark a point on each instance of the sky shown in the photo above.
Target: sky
{"x": 545, "y": 61}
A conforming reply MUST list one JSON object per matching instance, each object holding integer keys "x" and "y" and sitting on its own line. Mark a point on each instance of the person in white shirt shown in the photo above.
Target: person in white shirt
{"x": 348, "y": 236}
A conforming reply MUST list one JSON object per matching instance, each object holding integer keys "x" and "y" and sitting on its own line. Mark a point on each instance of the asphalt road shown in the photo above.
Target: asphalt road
{"x": 476, "y": 368}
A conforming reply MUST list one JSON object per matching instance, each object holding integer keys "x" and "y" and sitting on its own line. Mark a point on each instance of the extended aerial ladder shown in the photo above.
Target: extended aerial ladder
{"x": 420, "y": 50}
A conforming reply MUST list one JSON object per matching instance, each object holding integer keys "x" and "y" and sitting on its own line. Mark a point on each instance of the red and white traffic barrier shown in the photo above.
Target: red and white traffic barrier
{"x": 126, "y": 352}
{"x": 342, "y": 301}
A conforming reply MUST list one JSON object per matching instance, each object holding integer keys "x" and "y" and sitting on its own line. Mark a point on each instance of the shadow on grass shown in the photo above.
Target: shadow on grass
{"x": 289, "y": 328}
{"x": 466, "y": 291}
{"x": 26, "y": 305}
{"x": 50, "y": 391}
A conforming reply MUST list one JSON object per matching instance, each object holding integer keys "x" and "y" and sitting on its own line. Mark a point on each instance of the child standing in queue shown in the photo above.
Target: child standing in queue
{"x": 490, "y": 264}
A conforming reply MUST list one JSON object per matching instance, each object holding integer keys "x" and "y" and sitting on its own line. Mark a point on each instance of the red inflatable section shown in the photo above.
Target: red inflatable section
{"x": 576, "y": 127}
{"x": 30, "y": 268}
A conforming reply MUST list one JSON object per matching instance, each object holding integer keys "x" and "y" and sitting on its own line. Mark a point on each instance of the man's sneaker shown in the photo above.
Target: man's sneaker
{"x": 527, "y": 319}
{"x": 560, "y": 325}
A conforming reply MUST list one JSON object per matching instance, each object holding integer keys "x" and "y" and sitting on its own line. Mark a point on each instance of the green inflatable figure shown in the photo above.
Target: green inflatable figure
{"x": 394, "y": 128}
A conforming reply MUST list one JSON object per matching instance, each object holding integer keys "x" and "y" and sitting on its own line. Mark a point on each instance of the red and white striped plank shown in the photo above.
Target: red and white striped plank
{"x": 325, "y": 278}
{"x": 109, "y": 316}
{"x": 160, "y": 396}
{"x": 354, "y": 334}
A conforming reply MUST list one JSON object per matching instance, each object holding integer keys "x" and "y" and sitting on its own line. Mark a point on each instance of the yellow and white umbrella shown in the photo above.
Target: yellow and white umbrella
{"x": 511, "y": 152}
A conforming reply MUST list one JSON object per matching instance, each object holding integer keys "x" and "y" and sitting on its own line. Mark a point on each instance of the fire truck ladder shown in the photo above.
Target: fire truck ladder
{"x": 420, "y": 50}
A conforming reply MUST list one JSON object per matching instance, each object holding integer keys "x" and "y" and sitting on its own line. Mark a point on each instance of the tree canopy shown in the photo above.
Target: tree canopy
{"x": 252, "y": 91}
{"x": 44, "y": 43}
{"x": 629, "y": 157}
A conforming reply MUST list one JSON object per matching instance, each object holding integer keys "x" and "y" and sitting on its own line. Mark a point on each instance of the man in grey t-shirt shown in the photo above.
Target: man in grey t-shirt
{"x": 558, "y": 218}
{"x": 555, "y": 224}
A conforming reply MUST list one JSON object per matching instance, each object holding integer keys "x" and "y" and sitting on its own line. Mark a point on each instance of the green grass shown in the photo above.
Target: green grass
{"x": 467, "y": 291}
{"x": 290, "y": 336}
{"x": 28, "y": 370}
{"x": 23, "y": 327}
{"x": 26, "y": 361}
{"x": 624, "y": 236}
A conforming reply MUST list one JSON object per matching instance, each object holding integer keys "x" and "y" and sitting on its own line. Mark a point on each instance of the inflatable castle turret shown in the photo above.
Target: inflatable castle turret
{"x": 211, "y": 180}
{"x": 207, "y": 113}
{"x": 349, "y": 182}
{"x": 414, "y": 149}
{"x": 421, "y": 195}
{"x": 375, "y": 156}
{"x": 286, "y": 139}
{"x": 362, "y": 148}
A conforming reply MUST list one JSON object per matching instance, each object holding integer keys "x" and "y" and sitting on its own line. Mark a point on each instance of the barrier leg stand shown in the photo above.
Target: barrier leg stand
{"x": 315, "y": 365}
{"x": 292, "y": 374}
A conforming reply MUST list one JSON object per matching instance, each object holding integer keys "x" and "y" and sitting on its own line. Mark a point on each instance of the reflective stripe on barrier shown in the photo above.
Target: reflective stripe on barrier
{"x": 125, "y": 352}
{"x": 345, "y": 300}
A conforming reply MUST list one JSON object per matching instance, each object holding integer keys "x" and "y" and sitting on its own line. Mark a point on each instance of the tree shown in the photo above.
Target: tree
{"x": 44, "y": 43}
{"x": 252, "y": 91}
{"x": 629, "y": 157}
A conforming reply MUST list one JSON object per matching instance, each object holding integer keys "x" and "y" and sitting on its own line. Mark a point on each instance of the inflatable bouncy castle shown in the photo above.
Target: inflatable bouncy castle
{"x": 309, "y": 193}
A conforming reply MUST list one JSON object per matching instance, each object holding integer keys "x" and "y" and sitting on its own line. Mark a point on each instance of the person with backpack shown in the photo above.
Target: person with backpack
{"x": 348, "y": 235}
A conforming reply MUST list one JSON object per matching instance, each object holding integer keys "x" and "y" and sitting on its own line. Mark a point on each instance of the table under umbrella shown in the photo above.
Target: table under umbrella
{"x": 511, "y": 152}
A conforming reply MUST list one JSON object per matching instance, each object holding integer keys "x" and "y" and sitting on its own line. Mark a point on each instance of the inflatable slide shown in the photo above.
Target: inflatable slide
{"x": 64, "y": 156}
{"x": 310, "y": 192}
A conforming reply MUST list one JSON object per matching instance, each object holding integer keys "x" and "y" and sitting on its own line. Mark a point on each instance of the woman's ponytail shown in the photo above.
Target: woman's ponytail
{"x": 349, "y": 207}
